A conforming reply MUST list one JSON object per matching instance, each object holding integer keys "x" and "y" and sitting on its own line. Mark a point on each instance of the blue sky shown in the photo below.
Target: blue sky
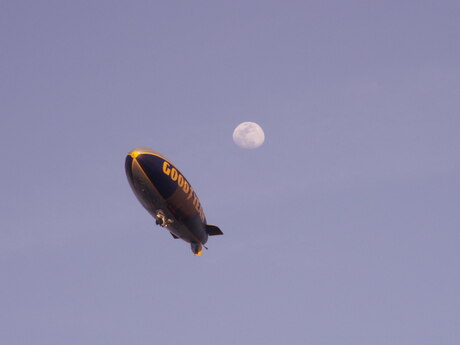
{"x": 343, "y": 228}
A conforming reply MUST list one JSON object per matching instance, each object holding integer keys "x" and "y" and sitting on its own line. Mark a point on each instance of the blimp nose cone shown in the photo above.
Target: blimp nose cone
{"x": 143, "y": 150}
{"x": 148, "y": 165}
{"x": 134, "y": 154}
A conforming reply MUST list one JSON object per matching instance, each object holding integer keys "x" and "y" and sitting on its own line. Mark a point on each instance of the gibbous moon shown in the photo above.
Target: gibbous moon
{"x": 248, "y": 135}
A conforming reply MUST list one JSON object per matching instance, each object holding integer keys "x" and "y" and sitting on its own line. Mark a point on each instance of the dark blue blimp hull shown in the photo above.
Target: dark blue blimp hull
{"x": 167, "y": 195}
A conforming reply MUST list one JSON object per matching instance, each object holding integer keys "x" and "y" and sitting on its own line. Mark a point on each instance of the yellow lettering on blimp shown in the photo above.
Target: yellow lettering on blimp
{"x": 166, "y": 168}
{"x": 180, "y": 181}
{"x": 174, "y": 174}
{"x": 186, "y": 187}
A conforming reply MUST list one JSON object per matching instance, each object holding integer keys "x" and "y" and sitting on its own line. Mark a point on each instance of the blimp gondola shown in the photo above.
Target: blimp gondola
{"x": 168, "y": 196}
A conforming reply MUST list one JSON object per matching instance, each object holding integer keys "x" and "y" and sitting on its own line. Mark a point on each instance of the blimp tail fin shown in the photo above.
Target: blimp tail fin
{"x": 213, "y": 230}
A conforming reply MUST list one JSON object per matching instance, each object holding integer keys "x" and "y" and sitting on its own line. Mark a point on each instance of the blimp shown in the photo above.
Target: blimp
{"x": 169, "y": 197}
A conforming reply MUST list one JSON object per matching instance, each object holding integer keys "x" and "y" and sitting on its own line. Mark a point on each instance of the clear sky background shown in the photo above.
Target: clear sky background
{"x": 343, "y": 228}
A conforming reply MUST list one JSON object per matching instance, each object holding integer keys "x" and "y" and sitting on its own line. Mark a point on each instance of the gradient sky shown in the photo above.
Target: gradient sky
{"x": 343, "y": 228}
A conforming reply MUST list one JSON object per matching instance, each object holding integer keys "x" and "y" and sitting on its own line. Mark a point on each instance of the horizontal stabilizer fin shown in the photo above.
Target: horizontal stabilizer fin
{"x": 213, "y": 230}
{"x": 175, "y": 237}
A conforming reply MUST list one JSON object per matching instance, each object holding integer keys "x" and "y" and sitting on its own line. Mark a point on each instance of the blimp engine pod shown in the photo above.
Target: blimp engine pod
{"x": 168, "y": 196}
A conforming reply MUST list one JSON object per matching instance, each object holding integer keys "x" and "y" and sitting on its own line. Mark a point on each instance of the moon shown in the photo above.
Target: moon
{"x": 248, "y": 135}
